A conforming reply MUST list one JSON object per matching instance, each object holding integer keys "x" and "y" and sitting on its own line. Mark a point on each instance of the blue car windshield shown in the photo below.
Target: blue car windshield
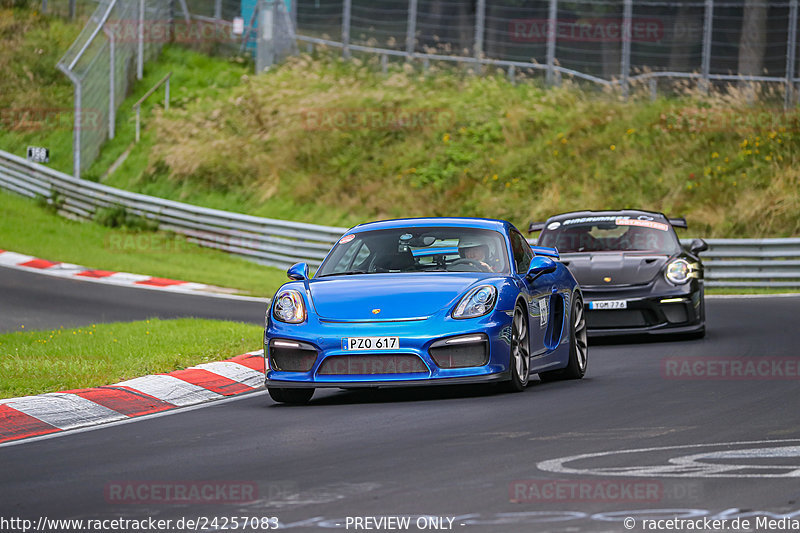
{"x": 445, "y": 249}
{"x": 610, "y": 234}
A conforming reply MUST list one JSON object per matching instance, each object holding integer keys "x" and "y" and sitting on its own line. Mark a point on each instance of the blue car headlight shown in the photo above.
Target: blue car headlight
{"x": 477, "y": 302}
{"x": 289, "y": 307}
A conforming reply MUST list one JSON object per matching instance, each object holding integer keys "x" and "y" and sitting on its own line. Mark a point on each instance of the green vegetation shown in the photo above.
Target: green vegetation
{"x": 35, "y": 97}
{"x": 36, "y": 362}
{"x": 324, "y": 141}
{"x": 29, "y": 229}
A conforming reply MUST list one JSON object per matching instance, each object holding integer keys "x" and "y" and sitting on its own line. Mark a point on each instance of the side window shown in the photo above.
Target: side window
{"x": 522, "y": 252}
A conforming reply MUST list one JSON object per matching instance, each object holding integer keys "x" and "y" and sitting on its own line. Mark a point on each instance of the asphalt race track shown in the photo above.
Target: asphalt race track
{"x": 714, "y": 448}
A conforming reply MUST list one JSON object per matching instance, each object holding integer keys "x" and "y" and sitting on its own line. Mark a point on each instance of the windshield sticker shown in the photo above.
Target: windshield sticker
{"x": 554, "y": 225}
{"x": 643, "y": 223}
{"x": 594, "y": 219}
{"x": 346, "y": 239}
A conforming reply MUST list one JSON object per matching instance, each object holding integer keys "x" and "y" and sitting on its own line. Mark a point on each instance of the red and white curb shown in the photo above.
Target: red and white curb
{"x": 69, "y": 270}
{"x": 32, "y": 416}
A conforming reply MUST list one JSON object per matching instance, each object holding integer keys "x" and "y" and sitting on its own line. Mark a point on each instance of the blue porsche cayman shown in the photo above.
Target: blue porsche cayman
{"x": 426, "y": 301}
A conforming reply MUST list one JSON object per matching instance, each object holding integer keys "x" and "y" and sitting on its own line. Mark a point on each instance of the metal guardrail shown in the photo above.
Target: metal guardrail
{"x": 773, "y": 263}
{"x": 268, "y": 241}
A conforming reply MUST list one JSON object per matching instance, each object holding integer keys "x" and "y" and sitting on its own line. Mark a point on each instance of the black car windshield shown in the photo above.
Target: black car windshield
{"x": 445, "y": 249}
{"x": 610, "y": 234}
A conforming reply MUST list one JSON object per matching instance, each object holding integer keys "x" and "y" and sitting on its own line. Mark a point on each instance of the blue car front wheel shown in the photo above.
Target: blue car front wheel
{"x": 520, "y": 359}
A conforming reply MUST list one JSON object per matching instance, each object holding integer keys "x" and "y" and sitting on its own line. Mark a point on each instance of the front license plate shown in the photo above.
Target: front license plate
{"x": 609, "y": 304}
{"x": 370, "y": 343}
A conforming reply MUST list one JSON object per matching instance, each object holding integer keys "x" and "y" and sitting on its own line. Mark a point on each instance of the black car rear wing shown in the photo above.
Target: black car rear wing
{"x": 678, "y": 222}
{"x": 535, "y": 226}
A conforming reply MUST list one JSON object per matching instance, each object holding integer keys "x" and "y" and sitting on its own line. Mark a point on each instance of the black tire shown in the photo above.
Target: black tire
{"x": 295, "y": 396}
{"x": 520, "y": 352}
{"x": 578, "y": 346}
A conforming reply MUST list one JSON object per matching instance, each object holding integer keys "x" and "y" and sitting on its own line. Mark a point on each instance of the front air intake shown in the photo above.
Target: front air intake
{"x": 461, "y": 352}
{"x": 291, "y": 356}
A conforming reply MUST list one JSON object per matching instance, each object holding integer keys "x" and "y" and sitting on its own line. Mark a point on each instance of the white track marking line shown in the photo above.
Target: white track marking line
{"x": 171, "y": 389}
{"x": 64, "y": 410}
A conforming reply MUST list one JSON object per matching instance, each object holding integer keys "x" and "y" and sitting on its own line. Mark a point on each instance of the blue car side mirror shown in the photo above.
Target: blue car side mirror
{"x": 541, "y": 265}
{"x": 298, "y": 271}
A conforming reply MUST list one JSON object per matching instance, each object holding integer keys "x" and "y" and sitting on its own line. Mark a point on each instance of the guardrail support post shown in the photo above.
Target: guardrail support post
{"x": 551, "y": 40}
{"x": 512, "y": 74}
{"x": 138, "y": 122}
{"x": 347, "y": 4}
{"x": 653, "y": 82}
{"x": 791, "y": 50}
{"x": 708, "y": 22}
{"x": 626, "y": 46}
{"x": 411, "y": 29}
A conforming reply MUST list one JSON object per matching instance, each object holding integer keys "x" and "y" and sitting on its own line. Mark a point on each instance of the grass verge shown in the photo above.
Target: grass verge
{"x": 36, "y": 362}
{"x": 28, "y": 228}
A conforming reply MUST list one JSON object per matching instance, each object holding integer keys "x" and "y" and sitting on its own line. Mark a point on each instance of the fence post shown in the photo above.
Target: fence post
{"x": 480, "y": 27}
{"x": 346, "y": 28}
{"x": 627, "y": 15}
{"x": 44, "y": 7}
{"x": 708, "y": 22}
{"x": 76, "y": 130}
{"x": 551, "y": 40}
{"x": 72, "y": 9}
{"x": 411, "y": 28}
{"x": 791, "y": 50}
{"x": 217, "y": 10}
{"x": 140, "y": 43}
{"x": 112, "y": 108}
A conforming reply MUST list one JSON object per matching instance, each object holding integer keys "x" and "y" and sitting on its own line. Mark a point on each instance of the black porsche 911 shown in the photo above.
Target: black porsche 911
{"x": 635, "y": 276}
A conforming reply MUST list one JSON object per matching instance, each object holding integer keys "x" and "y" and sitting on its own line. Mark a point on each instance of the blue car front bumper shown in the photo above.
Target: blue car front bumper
{"x": 413, "y": 363}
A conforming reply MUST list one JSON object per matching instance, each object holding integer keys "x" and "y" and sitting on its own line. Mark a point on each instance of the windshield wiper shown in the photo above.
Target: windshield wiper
{"x": 347, "y": 273}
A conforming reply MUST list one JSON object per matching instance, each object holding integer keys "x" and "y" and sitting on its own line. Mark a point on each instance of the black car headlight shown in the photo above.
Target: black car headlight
{"x": 289, "y": 307}
{"x": 678, "y": 271}
{"x": 477, "y": 302}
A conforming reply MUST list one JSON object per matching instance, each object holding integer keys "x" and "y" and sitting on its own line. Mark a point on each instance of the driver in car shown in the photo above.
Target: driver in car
{"x": 477, "y": 253}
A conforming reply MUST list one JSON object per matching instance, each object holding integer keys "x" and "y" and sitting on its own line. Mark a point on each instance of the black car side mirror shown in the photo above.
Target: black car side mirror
{"x": 698, "y": 245}
{"x": 539, "y": 266}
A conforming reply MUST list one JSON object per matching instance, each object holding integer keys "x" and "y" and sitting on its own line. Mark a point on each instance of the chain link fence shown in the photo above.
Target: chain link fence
{"x": 103, "y": 62}
{"x": 121, "y": 36}
{"x": 609, "y": 42}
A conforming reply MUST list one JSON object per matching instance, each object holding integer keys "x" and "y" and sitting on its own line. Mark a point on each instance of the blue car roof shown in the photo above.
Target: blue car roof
{"x": 462, "y": 222}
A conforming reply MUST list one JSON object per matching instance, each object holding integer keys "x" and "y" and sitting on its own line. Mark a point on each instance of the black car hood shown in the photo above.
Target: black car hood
{"x": 595, "y": 269}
